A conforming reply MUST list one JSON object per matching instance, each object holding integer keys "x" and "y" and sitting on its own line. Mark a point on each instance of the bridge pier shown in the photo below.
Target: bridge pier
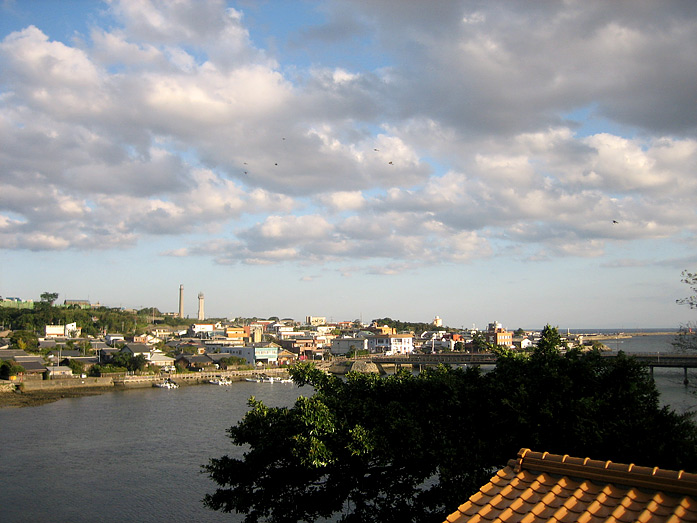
{"x": 685, "y": 381}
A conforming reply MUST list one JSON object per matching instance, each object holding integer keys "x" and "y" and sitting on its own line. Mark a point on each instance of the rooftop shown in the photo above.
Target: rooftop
{"x": 550, "y": 487}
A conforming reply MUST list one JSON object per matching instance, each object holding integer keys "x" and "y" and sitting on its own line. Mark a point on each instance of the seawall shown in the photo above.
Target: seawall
{"x": 71, "y": 383}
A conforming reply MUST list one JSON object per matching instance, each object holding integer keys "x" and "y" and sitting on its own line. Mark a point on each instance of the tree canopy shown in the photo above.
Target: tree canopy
{"x": 550, "y": 340}
{"x": 405, "y": 326}
{"x": 91, "y": 321}
{"x": 49, "y": 297}
{"x": 24, "y": 340}
{"x": 687, "y": 336}
{"x": 410, "y": 448}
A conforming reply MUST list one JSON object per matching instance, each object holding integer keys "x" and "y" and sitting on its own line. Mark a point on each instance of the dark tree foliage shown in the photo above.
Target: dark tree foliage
{"x": 128, "y": 361}
{"x": 9, "y": 368}
{"x": 24, "y": 340}
{"x": 49, "y": 297}
{"x": 404, "y": 326}
{"x": 412, "y": 448}
{"x": 91, "y": 321}
{"x": 550, "y": 340}
{"x": 76, "y": 366}
{"x": 232, "y": 361}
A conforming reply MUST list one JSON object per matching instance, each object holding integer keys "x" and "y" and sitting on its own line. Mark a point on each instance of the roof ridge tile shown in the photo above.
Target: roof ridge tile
{"x": 540, "y": 486}
{"x": 653, "y": 478}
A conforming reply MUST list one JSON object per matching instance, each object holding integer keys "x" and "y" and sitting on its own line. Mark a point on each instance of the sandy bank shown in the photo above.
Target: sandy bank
{"x": 39, "y": 397}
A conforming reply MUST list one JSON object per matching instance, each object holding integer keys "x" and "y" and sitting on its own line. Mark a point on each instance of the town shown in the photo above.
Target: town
{"x": 153, "y": 342}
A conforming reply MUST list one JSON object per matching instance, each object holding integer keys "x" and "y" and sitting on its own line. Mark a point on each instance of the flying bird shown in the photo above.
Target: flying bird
{"x": 391, "y": 163}
{"x": 615, "y": 221}
{"x": 376, "y": 149}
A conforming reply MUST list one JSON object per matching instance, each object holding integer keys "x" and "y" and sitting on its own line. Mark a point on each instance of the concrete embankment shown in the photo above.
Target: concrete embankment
{"x": 71, "y": 383}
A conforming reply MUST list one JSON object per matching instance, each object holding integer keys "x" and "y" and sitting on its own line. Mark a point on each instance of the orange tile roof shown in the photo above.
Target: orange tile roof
{"x": 550, "y": 487}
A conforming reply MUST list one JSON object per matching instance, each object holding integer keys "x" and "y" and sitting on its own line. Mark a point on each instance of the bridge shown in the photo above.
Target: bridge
{"x": 650, "y": 359}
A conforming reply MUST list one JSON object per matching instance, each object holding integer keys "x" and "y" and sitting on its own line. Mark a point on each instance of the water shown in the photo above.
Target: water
{"x": 131, "y": 455}
{"x": 639, "y": 343}
{"x": 669, "y": 381}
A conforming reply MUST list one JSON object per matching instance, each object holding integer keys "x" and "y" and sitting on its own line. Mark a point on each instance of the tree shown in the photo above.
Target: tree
{"x": 409, "y": 448}
{"x": 76, "y": 366}
{"x": 49, "y": 297}
{"x": 10, "y": 368}
{"x": 231, "y": 361}
{"x": 128, "y": 361}
{"x": 686, "y": 338}
{"x": 24, "y": 340}
{"x": 550, "y": 340}
{"x": 479, "y": 343}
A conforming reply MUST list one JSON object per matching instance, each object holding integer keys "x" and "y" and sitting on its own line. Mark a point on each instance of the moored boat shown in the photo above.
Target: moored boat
{"x": 167, "y": 384}
{"x": 220, "y": 381}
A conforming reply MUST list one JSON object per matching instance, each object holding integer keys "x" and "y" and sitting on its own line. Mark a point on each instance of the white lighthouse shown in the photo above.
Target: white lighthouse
{"x": 201, "y": 314}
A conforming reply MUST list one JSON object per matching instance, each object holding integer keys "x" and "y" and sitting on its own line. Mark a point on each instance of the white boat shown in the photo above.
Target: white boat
{"x": 275, "y": 379}
{"x": 255, "y": 380}
{"x": 220, "y": 381}
{"x": 167, "y": 384}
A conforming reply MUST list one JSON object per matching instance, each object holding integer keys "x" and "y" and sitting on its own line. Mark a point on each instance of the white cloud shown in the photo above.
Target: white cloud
{"x": 342, "y": 200}
{"x": 469, "y": 132}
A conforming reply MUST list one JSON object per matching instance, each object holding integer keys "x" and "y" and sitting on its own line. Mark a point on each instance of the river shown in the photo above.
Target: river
{"x": 131, "y": 455}
{"x": 136, "y": 455}
{"x": 669, "y": 381}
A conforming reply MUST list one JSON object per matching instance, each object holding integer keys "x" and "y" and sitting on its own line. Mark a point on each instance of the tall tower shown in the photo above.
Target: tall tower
{"x": 181, "y": 301}
{"x": 201, "y": 315}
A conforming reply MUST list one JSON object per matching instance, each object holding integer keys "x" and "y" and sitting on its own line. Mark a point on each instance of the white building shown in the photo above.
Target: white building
{"x": 69, "y": 330}
{"x": 112, "y": 339}
{"x": 261, "y": 353}
{"x": 284, "y": 332}
{"x": 391, "y": 344}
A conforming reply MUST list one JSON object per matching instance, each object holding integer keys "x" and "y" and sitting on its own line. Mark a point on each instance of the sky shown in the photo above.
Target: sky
{"x": 529, "y": 163}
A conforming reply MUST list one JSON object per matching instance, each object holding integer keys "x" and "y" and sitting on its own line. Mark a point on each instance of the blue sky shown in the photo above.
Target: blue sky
{"x": 353, "y": 159}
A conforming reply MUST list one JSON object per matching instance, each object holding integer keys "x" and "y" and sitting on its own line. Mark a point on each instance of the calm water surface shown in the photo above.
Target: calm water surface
{"x": 136, "y": 455}
{"x": 123, "y": 456}
{"x": 669, "y": 381}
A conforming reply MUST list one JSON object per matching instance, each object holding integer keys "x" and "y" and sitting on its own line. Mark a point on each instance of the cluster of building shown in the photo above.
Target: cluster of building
{"x": 263, "y": 342}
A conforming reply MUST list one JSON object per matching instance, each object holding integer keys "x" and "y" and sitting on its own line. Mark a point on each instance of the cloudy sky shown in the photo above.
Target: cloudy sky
{"x": 528, "y": 163}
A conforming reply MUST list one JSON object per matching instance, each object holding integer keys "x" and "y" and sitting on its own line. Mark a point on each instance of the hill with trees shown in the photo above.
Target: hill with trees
{"x": 92, "y": 321}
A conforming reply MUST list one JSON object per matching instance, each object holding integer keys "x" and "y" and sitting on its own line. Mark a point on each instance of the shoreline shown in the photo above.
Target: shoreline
{"x": 35, "y": 398}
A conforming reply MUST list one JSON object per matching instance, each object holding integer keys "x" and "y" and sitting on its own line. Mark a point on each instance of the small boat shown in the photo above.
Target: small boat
{"x": 255, "y": 380}
{"x": 275, "y": 379}
{"x": 167, "y": 384}
{"x": 220, "y": 381}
